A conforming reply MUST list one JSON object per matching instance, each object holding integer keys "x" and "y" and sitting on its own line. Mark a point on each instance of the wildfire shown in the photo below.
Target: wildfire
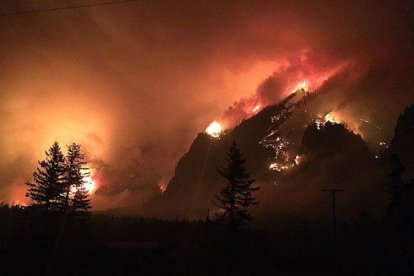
{"x": 320, "y": 122}
{"x": 163, "y": 187}
{"x": 276, "y": 166}
{"x": 298, "y": 159}
{"x": 214, "y": 129}
{"x": 383, "y": 144}
{"x": 88, "y": 183}
{"x": 331, "y": 118}
{"x": 301, "y": 86}
{"x": 256, "y": 108}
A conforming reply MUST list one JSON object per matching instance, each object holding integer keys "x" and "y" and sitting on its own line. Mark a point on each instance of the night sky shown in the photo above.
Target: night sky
{"x": 135, "y": 82}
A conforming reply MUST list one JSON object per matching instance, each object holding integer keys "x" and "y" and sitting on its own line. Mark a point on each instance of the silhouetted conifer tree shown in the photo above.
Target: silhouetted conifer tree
{"x": 48, "y": 187}
{"x": 81, "y": 200}
{"x": 236, "y": 197}
{"x": 401, "y": 209}
{"x": 76, "y": 173}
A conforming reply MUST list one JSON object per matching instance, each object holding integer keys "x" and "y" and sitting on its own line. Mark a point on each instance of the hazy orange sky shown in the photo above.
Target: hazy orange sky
{"x": 134, "y": 82}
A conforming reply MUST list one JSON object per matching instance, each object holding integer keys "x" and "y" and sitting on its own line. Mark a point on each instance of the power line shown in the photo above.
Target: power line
{"x": 67, "y": 7}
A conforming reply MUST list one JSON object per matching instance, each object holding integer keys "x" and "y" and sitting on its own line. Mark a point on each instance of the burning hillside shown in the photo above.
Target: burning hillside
{"x": 289, "y": 144}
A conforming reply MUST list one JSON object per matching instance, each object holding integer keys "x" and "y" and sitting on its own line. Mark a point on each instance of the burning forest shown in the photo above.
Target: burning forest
{"x": 211, "y": 137}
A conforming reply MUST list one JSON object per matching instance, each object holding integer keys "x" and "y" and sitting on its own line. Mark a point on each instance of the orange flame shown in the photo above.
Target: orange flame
{"x": 214, "y": 129}
{"x": 163, "y": 187}
{"x": 304, "y": 85}
{"x": 256, "y": 108}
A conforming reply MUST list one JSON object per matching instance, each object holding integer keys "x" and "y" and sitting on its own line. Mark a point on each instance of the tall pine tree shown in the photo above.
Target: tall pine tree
{"x": 76, "y": 193}
{"x": 400, "y": 213}
{"x": 49, "y": 180}
{"x": 236, "y": 197}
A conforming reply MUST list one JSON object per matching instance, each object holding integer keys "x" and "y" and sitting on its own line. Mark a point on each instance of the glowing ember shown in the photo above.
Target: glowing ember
{"x": 319, "y": 123}
{"x": 256, "y": 108}
{"x": 214, "y": 129}
{"x": 368, "y": 122}
{"x": 330, "y": 118}
{"x": 163, "y": 187}
{"x": 301, "y": 86}
{"x": 278, "y": 167}
{"x": 273, "y": 166}
{"x": 383, "y": 144}
{"x": 298, "y": 159}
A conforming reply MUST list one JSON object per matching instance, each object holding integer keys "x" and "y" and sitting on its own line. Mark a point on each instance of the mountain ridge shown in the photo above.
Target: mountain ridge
{"x": 275, "y": 143}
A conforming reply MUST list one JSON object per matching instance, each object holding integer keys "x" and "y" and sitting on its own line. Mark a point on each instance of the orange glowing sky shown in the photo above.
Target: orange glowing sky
{"x": 134, "y": 83}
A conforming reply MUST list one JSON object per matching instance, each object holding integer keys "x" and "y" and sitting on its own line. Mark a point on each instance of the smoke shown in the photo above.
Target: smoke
{"x": 134, "y": 82}
{"x": 288, "y": 78}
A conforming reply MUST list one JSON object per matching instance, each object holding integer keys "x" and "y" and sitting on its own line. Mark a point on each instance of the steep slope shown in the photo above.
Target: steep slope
{"x": 292, "y": 153}
{"x": 333, "y": 157}
{"x": 196, "y": 179}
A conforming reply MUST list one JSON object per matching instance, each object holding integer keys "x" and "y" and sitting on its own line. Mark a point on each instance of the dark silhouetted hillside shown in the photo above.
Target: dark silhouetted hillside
{"x": 403, "y": 141}
{"x": 332, "y": 156}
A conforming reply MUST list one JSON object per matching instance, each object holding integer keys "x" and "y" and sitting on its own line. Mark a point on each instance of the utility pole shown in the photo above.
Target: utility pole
{"x": 333, "y": 191}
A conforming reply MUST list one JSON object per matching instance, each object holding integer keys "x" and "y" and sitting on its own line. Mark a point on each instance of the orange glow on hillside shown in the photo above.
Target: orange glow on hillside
{"x": 256, "y": 108}
{"x": 331, "y": 118}
{"x": 163, "y": 187}
{"x": 214, "y": 129}
{"x": 304, "y": 85}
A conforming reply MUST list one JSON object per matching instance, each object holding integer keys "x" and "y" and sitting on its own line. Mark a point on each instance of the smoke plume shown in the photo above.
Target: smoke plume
{"x": 134, "y": 82}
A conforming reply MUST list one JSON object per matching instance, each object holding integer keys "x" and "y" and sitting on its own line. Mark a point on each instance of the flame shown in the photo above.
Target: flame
{"x": 163, "y": 187}
{"x": 278, "y": 167}
{"x": 301, "y": 86}
{"x": 320, "y": 122}
{"x": 331, "y": 118}
{"x": 256, "y": 108}
{"x": 298, "y": 159}
{"x": 347, "y": 121}
{"x": 214, "y": 129}
{"x": 88, "y": 183}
